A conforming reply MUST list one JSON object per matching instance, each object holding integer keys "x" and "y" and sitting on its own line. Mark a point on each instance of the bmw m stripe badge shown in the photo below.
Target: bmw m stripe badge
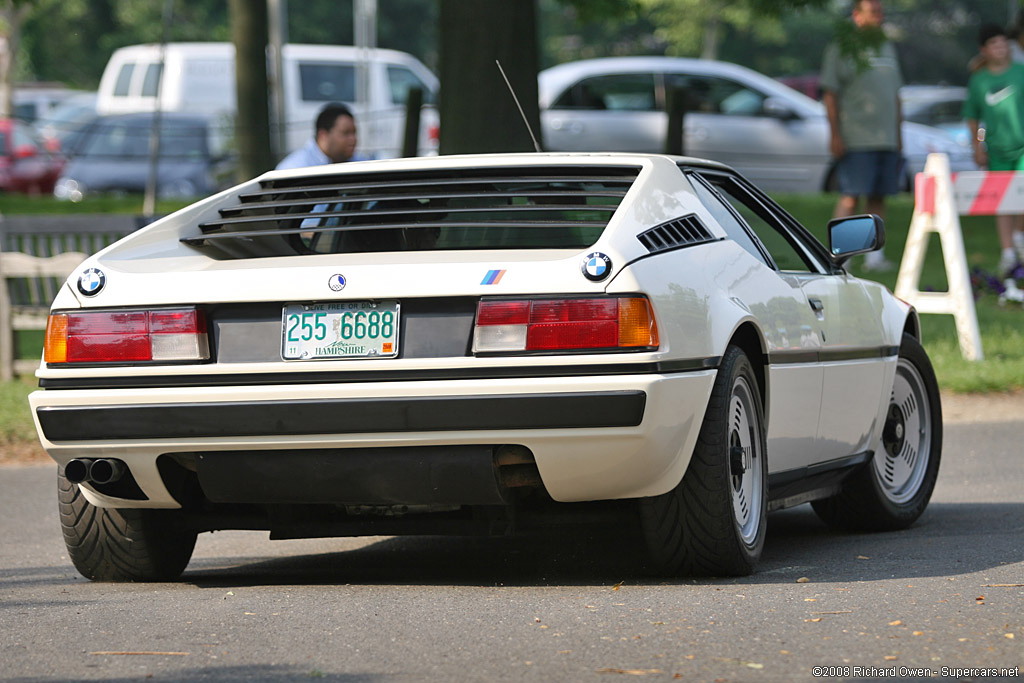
{"x": 596, "y": 266}
{"x": 337, "y": 282}
{"x": 91, "y": 281}
{"x": 493, "y": 277}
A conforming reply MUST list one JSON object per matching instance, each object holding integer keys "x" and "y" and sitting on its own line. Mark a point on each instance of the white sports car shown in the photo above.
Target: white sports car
{"x": 466, "y": 344}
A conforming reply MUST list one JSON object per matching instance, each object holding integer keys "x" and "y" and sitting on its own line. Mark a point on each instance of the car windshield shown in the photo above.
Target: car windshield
{"x": 543, "y": 207}
{"x": 131, "y": 139}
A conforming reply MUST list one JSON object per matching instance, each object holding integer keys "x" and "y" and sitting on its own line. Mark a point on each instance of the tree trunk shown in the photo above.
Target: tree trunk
{"x": 252, "y": 122}
{"x": 12, "y": 15}
{"x": 712, "y": 31}
{"x": 478, "y": 113}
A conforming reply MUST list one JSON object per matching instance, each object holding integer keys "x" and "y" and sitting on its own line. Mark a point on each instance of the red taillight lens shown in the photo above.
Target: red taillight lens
{"x": 126, "y": 336}
{"x": 564, "y": 324}
{"x": 503, "y": 313}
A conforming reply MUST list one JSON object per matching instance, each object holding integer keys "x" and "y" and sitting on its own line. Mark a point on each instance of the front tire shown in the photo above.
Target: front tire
{"x": 713, "y": 522}
{"x": 107, "y": 544}
{"x": 894, "y": 489}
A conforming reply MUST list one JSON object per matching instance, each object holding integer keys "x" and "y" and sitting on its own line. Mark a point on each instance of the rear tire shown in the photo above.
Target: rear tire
{"x": 893, "y": 490}
{"x": 713, "y": 522}
{"x": 107, "y": 544}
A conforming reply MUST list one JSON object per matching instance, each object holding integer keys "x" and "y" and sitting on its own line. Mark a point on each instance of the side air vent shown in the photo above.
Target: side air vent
{"x": 510, "y": 207}
{"x": 675, "y": 234}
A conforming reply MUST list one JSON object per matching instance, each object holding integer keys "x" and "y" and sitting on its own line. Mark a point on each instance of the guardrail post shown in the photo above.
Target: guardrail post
{"x": 676, "y": 106}
{"x": 413, "y": 105}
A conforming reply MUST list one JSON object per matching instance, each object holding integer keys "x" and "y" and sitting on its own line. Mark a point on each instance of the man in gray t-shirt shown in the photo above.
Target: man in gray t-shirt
{"x": 862, "y": 100}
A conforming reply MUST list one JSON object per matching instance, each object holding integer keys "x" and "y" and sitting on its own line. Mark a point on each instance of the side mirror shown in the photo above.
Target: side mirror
{"x": 854, "y": 235}
{"x": 775, "y": 108}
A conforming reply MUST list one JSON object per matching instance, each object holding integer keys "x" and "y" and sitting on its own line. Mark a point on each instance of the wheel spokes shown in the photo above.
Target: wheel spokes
{"x": 902, "y": 463}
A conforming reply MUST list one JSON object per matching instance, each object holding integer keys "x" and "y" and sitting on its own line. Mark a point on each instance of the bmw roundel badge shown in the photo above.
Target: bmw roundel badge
{"x": 337, "y": 282}
{"x": 91, "y": 281}
{"x": 596, "y": 266}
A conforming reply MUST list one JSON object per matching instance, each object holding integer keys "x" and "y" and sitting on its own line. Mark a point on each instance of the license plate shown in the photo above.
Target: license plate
{"x": 346, "y": 329}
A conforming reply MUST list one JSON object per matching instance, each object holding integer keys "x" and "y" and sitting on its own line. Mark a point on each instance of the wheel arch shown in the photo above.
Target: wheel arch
{"x": 749, "y": 338}
{"x": 912, "y": 325}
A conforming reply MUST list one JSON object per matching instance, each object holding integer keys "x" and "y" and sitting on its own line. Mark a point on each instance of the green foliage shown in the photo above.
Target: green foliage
{"x": 15, "y": 416}
{"x": 686, "y": 26}
{"x": 70, "y": 41}
{"x": 858, "y": 43}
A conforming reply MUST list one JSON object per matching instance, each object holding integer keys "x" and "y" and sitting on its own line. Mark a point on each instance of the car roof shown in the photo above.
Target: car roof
{"x": 147, "y": 116}
{"x": 554, "y": 80}
{"x": 300, "y": 50}
{"x": 495, "y": 160}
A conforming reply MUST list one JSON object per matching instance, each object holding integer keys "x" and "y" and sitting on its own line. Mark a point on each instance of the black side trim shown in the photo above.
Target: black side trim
{"x": 343, "y": 416}
{"x": 831, "y": 355}
{"x": 792, "y": 357}
{"x": 789, "y": 483}
{"x": 353, "y": 376}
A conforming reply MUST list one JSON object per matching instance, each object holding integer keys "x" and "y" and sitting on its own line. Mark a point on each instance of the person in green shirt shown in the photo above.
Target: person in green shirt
{"x": 995, "y": 98}
{"x": 860, "y": 89}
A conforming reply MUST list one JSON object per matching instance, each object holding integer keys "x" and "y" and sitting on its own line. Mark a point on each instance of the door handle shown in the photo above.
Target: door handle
{"x": 816, "y": 305}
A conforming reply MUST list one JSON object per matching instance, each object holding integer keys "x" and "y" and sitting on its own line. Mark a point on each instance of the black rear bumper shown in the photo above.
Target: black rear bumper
{"x": 343, "y": 416}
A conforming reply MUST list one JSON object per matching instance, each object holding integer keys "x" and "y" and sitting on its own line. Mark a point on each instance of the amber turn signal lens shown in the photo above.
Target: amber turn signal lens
{"x": 55, "y": 349}
{"x": 636, "y": 323}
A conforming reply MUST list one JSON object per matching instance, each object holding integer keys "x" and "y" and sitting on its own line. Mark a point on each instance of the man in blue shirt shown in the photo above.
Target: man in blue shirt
{"x": 334, "y": 140}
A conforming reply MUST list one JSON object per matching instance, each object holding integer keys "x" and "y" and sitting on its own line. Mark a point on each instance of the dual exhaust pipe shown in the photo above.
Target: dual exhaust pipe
{"x": 98, "y": 471}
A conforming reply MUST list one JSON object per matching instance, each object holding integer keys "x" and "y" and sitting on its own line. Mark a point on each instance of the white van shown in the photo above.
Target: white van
{"x": 201, "y": 79}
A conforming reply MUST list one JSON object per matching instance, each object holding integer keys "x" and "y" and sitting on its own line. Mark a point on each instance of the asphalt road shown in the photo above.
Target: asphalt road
{"x": 946, "y": 593}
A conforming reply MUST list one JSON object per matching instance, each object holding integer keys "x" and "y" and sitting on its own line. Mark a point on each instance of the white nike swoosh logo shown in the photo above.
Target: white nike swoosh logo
{"x": 994, "y": 98}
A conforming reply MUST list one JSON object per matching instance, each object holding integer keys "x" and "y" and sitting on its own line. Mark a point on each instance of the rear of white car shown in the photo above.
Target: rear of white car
{"x": 217, "y": 352}
{"x": 454, "y": 345}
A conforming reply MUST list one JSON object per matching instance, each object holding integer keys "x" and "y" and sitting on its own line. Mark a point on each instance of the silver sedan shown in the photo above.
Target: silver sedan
{"x": 774, "y": 135}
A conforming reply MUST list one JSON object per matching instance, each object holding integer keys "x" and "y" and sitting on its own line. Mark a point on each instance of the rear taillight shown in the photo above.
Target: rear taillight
{"x": 592, "y": 324}
{"x": 177, "y": 334}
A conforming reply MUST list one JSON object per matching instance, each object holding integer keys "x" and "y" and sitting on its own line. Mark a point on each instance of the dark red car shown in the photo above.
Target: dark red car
{"x": 25, "y": 165}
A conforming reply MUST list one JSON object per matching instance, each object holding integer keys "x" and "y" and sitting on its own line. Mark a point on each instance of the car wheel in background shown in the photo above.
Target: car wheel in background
{"x": 108, "y": 544}
{"x": 713, "y": 522}
{"x": 893, "y": 490}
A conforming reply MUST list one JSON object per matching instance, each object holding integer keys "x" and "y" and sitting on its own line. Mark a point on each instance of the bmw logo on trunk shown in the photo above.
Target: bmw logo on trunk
{"x": 91, "y": 281}
{"x": 596, "y": 266}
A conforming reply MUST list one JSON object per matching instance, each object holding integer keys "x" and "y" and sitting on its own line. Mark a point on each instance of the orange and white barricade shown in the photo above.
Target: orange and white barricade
{"x": 939, "y": 201}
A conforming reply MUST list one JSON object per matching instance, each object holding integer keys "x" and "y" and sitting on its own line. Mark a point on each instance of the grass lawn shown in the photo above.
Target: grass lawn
{"x": 127, "y": 203}
{"x": 1002, "y": 327}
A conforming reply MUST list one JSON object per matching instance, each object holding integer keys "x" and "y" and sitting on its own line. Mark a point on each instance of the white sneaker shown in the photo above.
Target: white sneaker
{"x": 881, "y": 265}
{"x": 1006, "y": 264}
{"x": 1018, "y": 245}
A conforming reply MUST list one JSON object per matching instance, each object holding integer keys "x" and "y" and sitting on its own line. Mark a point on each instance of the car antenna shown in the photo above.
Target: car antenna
{"x": 536, "y": 145}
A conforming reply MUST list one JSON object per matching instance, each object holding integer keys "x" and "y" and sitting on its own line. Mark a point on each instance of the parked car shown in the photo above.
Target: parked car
{"x": 472, "y": 344}
{"x": 33, "y": 101}
{"x": 774, "y": 135}
{"x": 939, "y": 106}
{"x": 62, "y": 127}
{"x": 201, "y": 79}
{"x": 112, "y": 155}
{"x": 25, "y": 165}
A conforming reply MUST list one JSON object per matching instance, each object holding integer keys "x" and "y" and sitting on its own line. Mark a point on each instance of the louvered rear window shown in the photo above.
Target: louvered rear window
{"x": 534, "y": 207}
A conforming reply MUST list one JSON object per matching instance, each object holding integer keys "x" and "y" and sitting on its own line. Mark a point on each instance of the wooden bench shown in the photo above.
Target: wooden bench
{"x": 37, "y": 253}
